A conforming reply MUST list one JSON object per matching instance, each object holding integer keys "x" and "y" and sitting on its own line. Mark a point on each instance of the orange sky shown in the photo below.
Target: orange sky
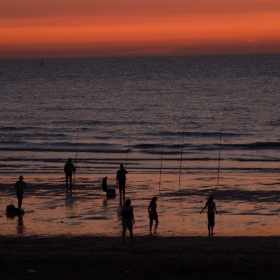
{"x": 89, "y": 28}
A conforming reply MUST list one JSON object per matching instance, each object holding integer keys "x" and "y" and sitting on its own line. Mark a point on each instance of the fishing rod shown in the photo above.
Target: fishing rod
{"x": 159, "y": 183}
{"x": 219, "y": 161}
{"x": 128, "y": 143}
{"x": 218, "y": 176}
{"x": 75, "y": 163}
{"x": 181, "y": 158}
{"x": 180, "y": 172}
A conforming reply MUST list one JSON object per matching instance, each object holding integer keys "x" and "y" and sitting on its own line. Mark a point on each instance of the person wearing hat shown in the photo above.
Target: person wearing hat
{"x": 69, "y": 169}
{"x": 120, "y": 180}
{"x": 20, "y": 186}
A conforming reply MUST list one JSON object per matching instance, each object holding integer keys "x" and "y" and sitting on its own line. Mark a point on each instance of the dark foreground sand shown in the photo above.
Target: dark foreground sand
{"x": 147, "y": 258}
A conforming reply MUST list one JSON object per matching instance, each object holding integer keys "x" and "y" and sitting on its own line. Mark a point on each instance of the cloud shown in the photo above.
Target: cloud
{"x": 131, "y": 8}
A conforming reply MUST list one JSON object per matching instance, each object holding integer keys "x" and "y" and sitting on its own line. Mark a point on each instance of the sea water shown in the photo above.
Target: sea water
{"x": 194, "y": 125}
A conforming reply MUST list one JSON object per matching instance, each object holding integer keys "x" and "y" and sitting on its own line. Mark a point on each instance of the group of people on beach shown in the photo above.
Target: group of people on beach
{"x": 127, "y": 210}
{"x": 70, "y": 169}
{"x": 128, "y": 217}
{"x": 127, "y": 213}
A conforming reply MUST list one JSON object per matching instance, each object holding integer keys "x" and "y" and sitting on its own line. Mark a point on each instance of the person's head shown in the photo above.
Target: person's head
{"x": 20, "y": 177}
{"x": 69, "y": 159}
{"x": 154, "y": 199}
{"x": 210, "y": 199}
{"x": 121, "y": 166}
{"x": 127, "y": 202}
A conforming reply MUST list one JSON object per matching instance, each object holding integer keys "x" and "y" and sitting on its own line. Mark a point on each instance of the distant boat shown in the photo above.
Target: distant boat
{"x": 42, "y": 62}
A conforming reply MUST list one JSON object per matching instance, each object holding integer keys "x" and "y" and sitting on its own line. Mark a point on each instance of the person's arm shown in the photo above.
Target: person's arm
{"x": 203, "y": 209}
{"x": 215, "y": 208}
{"x": 132, "y": 213}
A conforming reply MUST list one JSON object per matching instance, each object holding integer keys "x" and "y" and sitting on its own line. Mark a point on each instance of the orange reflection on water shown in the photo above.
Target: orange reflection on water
{"x": 247, "y": 206}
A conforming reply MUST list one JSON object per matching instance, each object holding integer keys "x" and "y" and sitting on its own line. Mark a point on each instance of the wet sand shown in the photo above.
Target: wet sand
{"x": 146, "y": 258}
{"x": 247, "y": 206}
{"x": 78, "y": 237}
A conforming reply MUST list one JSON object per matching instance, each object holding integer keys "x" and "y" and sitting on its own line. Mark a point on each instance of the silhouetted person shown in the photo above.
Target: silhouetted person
{"x": 153, "y": 216}
{"x": 69, "y": 169}
{"x": 104, "y": 184}
{"x": 120, "y": 179}
{"x": 210, "y": 204}
{"x": 20, "y": 187}
{"x": 127, "y": 219}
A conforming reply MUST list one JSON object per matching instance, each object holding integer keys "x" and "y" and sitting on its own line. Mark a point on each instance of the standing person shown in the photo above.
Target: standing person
{"x": 69, "y": 169}
{"x": 152, "y": 210}
{"x": 120, "y": 180}
{"x": 20, "y": 186}
{"x": 210, "y": 204}
{"x": 127, "y": 219}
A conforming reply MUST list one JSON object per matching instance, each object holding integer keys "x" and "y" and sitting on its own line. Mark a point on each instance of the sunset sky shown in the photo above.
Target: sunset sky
{"x": 91, "y": 28}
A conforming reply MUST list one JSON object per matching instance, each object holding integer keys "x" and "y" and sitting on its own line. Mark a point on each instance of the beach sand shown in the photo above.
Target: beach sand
{"x": 148, "y": 257}
{"x": 62, "y": 237}
{"x": 247, "y": 206}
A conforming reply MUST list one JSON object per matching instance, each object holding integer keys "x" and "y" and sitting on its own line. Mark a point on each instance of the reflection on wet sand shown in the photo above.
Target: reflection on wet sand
{"x": 246, "y": 206}
{"x": 69, "y": 192}
{"x": 20, "y": 225}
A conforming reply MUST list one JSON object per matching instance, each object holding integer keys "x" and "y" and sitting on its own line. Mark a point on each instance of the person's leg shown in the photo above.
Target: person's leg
{"x": 124, "y": 229}
{"x": 120, "y": 191}
{"x": 124, "y": 191}
{"x": 70, "y": 179}
{"x": 212, "y": 230}
{"x": 156, "y": 225}
{"x": 66, "y": 180}
{"x": 131, "y": 234}
{"x": 20, "y": 197}
{"x": 209, "y": 218}
{"x": 211, "y": 223}
{"x": 151, "y": 225}
{"x": 123, "y": 235}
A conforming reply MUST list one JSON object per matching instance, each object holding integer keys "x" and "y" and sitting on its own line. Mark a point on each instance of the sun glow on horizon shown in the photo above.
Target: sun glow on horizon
{"x": 114, "y": 34}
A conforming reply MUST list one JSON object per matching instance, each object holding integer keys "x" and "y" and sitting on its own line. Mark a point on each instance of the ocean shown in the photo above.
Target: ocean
{"x": 192, "y": 118}
{"x": 141, "y": 112}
